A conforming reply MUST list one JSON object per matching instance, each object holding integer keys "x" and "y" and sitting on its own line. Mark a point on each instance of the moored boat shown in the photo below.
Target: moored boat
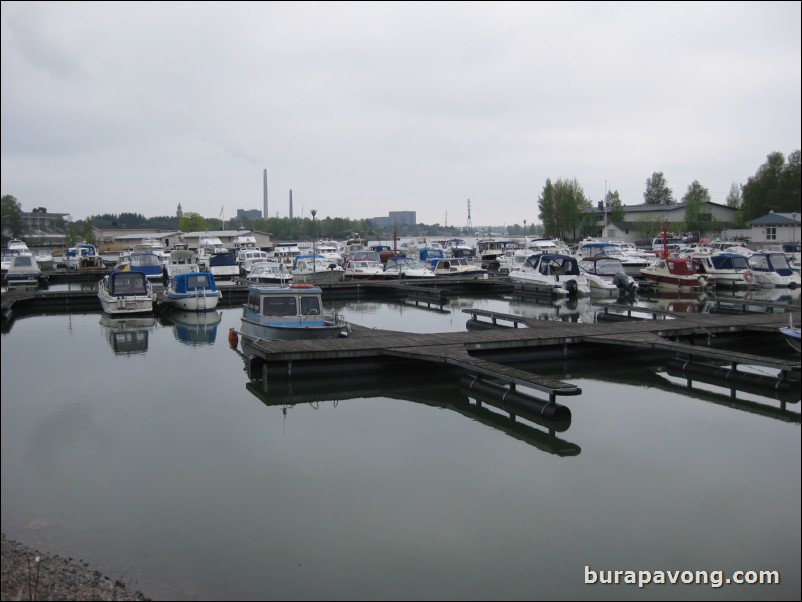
{"x": 123, "y": 293}
{"x": 192, "y": 291}
{"x": 553, "y": 274}
{"x": 289, "y": 312}
{"x": 23, "y": 270}
{"x": 676, "y": 273}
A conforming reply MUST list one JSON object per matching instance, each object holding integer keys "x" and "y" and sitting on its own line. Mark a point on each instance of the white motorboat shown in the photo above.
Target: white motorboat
{"x": 125, "y": 293}
{"x": 553, "y": 274}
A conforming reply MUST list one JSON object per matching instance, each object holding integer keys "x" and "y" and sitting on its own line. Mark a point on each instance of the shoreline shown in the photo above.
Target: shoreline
{"x": 28, "y": 574}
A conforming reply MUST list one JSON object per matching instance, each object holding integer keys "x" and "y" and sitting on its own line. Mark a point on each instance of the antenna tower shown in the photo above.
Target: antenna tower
{"x": 469, "y": 224}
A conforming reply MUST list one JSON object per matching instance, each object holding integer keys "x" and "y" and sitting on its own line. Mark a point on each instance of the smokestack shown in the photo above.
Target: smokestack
{"x": 290, "y": 203}
{"x": 264, "y": 200}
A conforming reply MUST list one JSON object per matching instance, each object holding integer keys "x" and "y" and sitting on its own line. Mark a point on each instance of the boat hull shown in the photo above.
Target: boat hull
{"x": 319, "y": 329}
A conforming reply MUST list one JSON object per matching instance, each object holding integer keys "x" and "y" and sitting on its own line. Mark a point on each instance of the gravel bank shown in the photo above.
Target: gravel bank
{"x": 54, "y": 578}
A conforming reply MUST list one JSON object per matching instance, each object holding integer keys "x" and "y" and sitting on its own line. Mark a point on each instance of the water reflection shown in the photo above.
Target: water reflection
{"x": 193, "y": 328}
{"x": 444, "y": 392}
{"x": 127, "y": 335}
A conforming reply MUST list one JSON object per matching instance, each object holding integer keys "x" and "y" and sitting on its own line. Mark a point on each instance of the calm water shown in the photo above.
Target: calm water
{"x": 144, "y": 450}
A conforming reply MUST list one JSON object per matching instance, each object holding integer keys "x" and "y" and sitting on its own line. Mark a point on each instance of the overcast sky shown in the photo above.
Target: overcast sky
{"x": 366, "y": 108}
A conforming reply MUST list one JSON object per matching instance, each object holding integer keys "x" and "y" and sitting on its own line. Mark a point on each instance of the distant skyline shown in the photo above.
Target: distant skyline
{"x": 366, "y": 108}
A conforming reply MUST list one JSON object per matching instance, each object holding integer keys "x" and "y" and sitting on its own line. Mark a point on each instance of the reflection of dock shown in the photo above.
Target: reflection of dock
{"x": 442, "y": 393}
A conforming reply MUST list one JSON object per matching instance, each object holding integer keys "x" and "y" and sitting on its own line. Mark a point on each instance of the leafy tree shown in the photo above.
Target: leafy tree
{"x": 734, "y": 197}
{"x": 12, "y": 216}
{"x": 561, "y": 206}
{"x": 697, "y": 216}
{"x": 657, "y": 191}
{"x": 775, "y": 187}
{"x": 192, "y": 222}
{"x": 547, "y": 210}
{"x": 614, "y": 206}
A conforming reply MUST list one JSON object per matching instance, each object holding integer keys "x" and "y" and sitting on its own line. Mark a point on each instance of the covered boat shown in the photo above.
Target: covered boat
{"x": 553, "y": 274}
{"x": 289, "y": 312}
{"x": 193, "y": 291}
{"x": 124, "y": 293}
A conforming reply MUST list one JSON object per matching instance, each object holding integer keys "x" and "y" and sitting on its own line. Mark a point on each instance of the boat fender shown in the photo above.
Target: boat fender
{"x": 233, "y": 339}
{"x": 748, "y": 276}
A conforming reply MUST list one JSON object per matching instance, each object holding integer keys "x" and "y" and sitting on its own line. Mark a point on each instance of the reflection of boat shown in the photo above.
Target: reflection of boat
{"x": 195, "y": 328}
{"x": 792, "y": 334}
{"x": 554, "y": 274}
{"x": 193, "y": 291}
{"x": 123, "y": 293}
{"x": 127, "y": 335}
{"x": 289, "y": 312}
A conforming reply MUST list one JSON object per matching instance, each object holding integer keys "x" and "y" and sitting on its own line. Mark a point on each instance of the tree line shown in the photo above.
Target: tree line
{"x": 562, "y": 209}
{"x": 563, "y": 206}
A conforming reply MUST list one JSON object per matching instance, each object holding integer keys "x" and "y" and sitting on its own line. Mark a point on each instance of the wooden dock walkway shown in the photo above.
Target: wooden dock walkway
{"x": 471, "y": 350}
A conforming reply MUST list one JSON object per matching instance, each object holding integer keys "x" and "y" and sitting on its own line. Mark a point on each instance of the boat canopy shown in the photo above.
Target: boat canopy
{"x": 122, "y": 284}
{"x": 194, "y": 281}
{"x": 554, "y": 264}
{"x": 729, "y": 261}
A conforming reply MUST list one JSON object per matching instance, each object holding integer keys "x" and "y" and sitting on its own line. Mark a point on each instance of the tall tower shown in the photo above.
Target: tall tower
{"x": 469, "y": 224}
{"x": 264, "y": 194}
{"x": 179, "y": 213}
{"x": 290, "y": 203}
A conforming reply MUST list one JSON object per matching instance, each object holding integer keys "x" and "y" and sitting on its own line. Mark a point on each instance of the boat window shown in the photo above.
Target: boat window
{"x": 310, "y": 306}
{"x": 279, "y": 306}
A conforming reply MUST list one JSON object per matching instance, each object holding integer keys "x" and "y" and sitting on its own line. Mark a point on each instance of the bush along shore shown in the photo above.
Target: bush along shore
{"x": 28, "y": 574}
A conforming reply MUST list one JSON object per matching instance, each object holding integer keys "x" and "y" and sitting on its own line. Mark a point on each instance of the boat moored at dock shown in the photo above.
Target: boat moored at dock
{"x": 125, "y": 293}
{"x": 289, "y": 312}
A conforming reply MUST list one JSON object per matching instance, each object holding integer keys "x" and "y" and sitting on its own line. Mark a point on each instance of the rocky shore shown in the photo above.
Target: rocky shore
{"x": 28, "y": 574}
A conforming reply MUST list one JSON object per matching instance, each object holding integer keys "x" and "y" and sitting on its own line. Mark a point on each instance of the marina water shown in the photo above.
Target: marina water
{"x": 145, "y": 451}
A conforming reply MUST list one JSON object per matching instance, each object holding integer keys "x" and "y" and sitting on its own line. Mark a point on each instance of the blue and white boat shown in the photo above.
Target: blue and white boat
{"x": 772, "y": 269}
{"x": 289, "y": 312}
{"x": 192, "y": 291}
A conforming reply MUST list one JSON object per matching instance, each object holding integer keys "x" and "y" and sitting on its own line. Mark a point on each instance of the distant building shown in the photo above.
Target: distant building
{"x": 637, "y": 216}
{"x": 396, "y": 218}
{"x": 248, "y": 213}
{"x": 775, "y": 228}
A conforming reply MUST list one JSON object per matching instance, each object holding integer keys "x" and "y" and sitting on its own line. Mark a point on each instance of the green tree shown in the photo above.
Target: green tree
{"x": 734, "y": 197}
{"x": 547, "y": 210}
{"x": 561, "y": 206}
{"x": 192, "y": 222}
{"x": 615, "y": 208}
{"x": 775, "y": 187}
{"x": 11, "y": 216}
{"x": 697, "y": 216}
{"x": 657, "y": 191}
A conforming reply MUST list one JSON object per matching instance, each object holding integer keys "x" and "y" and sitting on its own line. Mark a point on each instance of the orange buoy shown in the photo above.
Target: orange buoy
{"x": 233, "y": 339}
